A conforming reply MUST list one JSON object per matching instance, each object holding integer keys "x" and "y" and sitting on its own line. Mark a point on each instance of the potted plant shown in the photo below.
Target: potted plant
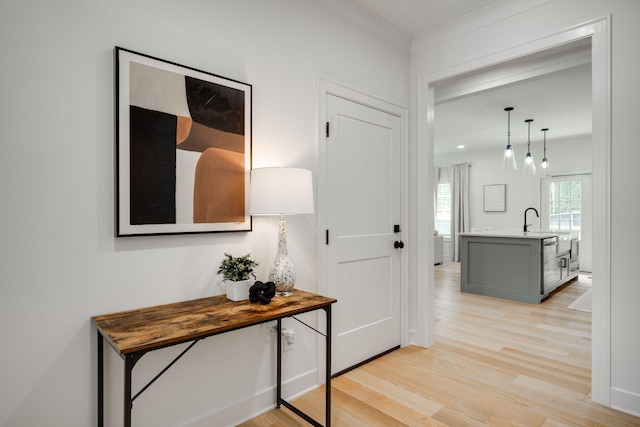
{"x": 237, "y": 273}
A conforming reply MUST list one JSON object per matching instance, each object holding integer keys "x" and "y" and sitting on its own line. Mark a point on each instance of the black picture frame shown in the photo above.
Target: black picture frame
{"x": 183, "y": 148}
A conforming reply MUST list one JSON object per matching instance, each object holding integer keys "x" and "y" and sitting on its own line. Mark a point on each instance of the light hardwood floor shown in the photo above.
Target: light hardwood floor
{"x": 495, "y": 363}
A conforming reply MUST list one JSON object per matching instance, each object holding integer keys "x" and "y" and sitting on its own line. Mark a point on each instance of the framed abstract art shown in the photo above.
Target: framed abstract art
{"x": 183, "y": 148}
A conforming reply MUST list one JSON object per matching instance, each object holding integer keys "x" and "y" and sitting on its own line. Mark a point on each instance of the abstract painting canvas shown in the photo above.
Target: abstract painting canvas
{"x": 183, "y": 148}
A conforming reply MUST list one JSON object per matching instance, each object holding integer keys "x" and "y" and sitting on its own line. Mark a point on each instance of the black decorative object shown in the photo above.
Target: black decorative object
{"x": 262, "y": 292}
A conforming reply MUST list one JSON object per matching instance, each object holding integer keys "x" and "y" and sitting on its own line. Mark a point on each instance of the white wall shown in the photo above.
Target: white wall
{"x": 60, "y": 262}
{"x": 489, "y": 35}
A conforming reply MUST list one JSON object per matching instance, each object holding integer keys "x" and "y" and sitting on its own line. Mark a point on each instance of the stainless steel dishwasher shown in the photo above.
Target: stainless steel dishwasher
{"x": 550, "y": 268}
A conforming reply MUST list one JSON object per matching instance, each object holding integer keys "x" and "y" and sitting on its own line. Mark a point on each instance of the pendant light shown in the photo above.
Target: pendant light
{"x": 509, "y": 157}
{"x": 544, "y": 172}
{"x": 529, "y": 164}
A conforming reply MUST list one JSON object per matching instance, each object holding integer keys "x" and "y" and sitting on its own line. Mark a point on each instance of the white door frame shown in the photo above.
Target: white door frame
{"x": 600, "y": 33}
{"x": 326, "y": 88}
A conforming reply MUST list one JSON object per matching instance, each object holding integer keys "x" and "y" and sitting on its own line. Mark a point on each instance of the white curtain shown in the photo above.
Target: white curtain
{"x": 436, "y": 180}
{"x": 459, "y": 181}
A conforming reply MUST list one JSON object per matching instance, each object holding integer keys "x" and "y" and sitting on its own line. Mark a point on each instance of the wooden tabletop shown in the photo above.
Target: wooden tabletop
{"x": 160, "y": 326}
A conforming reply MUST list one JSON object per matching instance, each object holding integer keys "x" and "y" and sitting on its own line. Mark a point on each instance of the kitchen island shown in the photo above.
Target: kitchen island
{"x": 517, "y": 265}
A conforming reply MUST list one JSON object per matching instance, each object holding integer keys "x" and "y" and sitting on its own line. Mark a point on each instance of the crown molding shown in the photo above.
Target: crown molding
{"x": 484, "y": 17}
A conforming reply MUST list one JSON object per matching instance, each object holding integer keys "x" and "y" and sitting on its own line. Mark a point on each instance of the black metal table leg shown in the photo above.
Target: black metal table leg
{"x": 129, "y": 361}
{"x": 100, "y": 380}
{"x": 279, "y": 363}
{"x": 328, "y": 369}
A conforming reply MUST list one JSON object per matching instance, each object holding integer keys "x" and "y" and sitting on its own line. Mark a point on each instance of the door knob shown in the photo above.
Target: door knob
{"x": 398, "y": 244}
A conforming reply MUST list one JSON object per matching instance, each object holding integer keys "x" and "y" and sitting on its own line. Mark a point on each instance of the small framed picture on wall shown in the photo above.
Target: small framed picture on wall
{"x": 495, "y": 196}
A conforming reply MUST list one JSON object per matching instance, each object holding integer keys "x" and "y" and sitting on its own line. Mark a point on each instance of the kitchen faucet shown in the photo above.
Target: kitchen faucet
{"x": 526, "y": 226}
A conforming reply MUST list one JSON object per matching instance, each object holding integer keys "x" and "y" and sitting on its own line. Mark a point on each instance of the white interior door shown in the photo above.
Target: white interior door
{"x": 363, "y": 183}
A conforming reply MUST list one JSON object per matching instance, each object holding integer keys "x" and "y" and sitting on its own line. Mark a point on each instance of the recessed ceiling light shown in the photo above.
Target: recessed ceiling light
{"x": 460, "y": 147}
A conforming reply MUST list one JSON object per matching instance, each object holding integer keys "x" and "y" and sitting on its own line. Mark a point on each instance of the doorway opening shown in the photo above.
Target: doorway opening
{"x": 598, "y": 35}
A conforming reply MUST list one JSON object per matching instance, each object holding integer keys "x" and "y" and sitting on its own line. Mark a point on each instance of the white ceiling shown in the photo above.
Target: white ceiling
{"x": 557, "y": 95}
{"x": 560, "y": 101}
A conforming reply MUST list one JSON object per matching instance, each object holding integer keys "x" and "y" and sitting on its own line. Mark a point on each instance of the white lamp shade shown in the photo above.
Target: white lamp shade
{"x": 281, "y": 191}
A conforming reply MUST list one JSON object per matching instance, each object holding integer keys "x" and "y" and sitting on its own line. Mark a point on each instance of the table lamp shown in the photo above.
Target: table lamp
{"x": 281, "y": 191}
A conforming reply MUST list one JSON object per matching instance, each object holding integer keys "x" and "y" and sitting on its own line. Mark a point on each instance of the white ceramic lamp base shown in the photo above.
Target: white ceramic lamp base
{"x": 282, "y": 272}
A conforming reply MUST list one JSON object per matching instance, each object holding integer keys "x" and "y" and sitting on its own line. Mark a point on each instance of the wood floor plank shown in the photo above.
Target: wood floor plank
{"x": 397, "y": 392}
{"x": 494, "y": 363}
{"x": 401, "y": 412}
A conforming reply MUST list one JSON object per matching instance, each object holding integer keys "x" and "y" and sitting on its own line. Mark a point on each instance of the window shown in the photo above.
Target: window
{"x": 443, "y": 208}
{"x": 565, "y": 205}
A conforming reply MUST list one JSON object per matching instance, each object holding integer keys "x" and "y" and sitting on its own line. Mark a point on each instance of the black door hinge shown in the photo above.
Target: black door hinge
{"x": 327, "y": 129}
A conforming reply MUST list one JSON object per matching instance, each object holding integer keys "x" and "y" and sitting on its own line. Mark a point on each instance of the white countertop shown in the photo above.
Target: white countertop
{"x": 535, "y": 234}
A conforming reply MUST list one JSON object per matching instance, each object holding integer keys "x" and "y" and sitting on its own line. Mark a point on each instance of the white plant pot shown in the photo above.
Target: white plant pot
{"x": 238, "y": 291}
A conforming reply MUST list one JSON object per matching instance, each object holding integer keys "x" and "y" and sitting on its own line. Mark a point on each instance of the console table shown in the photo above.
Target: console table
{"x": 134, "y": 333}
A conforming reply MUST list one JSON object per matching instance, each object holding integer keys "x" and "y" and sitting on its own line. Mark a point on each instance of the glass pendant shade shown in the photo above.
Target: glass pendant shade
{"x": 529, "y": 164}
{"x": 544, "y": 166}
{"x": 509, "y": 157}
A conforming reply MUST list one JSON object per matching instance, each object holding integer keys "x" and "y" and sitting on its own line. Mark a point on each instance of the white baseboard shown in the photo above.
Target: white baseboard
{"x": 625, "y": 401}
{"x": 258, "y": 404}
{"x": 412, "y": 337}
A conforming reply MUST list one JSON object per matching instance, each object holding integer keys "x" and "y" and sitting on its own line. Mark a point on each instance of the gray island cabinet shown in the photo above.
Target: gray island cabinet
{"x": 518, "y": 266}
